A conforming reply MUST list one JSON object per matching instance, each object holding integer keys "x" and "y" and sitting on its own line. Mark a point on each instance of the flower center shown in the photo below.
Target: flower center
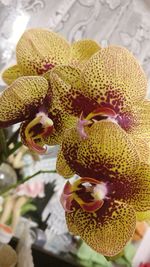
{"x": 101, "y": 113}
{"x": 98, "y": 114}
{"x": 86, "y": 192}
{"x": 38, "y": 129}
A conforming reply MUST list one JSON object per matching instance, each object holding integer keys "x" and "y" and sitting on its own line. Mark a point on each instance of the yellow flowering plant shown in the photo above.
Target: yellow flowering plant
{"x": 29, "y": 98}
{"x": 91, "y": 101}
{"x": 113, "y": 192}
{"x": 40, "y": 50}
{"x": 108, "y": 148}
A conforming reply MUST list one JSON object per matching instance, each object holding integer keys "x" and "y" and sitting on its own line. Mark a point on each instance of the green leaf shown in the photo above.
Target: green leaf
{"x": 28, "y": 207}
{"x": 118, "y": 256}
{"x": 126, "y": 258}
{"x": 129, "y": 252}
{"x": 3, "y": 146}
{"x": 85, "y": 253}
{"x": 123, "y": 262}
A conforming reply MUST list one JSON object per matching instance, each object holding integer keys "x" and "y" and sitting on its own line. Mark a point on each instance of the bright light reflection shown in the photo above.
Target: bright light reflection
{"x": 19, "y": 26}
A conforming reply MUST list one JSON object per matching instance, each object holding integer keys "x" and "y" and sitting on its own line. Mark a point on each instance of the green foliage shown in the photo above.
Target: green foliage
{"x": 126, "y": 258}
{"x": 89, "y": 258}
{"x": 3, "y": 146}
{"x": 129, "y": 252}
{"x": 28, "y": 207}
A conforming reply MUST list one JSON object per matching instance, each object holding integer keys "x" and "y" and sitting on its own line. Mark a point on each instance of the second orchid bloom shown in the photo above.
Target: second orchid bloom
{"x": 108, "y": 148}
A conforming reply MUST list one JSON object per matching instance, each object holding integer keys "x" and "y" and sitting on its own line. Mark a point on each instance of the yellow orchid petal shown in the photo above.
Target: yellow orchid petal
{"x": 62, "y": 167}
{"x": 21, "y": 99}
{"x": 107, "y": 149}
{"x": 114, "y": 77}
{"x": 108, "y": 230}
{"x": 143, "y": 216}
{"x": 64, "y": 78}
{"x": 141, "y": 125}
{"x": 137, "y": 191}
{"x": 62, "y": 121}
{"x": 142, "y": 148}
{"x": 11, "y": 74}
{"x": 82, "y": 50}
{"x": 39, "y": 50}
{"x": 67, "y": 83}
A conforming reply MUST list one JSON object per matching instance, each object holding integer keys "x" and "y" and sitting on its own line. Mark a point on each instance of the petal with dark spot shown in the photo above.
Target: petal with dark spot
{"x": 107, "y": 230}
{"x": 22, "y": 99}
{"x": 39, "y": 50}
{"x": 108, "y": 150}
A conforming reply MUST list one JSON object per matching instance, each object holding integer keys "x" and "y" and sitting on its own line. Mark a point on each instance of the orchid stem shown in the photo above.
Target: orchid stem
{"x": 3, "y": 146}
{"x": 13, "y": 138}
{"x": 3, "y": 192}
{"x": 17, "y": 146}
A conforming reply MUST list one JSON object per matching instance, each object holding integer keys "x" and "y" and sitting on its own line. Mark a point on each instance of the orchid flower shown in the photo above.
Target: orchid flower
{"x": 114, "y": 189}
{"x": 31, "y": 189}
{"x": 39, "y": 50}
{"x": 29, "y": 100}
{"x": 110, "y": 86}
{"x": 107, "y": 148}
{"x": 144, "y": 264}
{"x": 102, "y": 207}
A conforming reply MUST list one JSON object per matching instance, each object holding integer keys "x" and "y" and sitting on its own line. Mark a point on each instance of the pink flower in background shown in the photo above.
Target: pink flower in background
{"x": 145, "y": 264}
{"x": 31, "y": 189}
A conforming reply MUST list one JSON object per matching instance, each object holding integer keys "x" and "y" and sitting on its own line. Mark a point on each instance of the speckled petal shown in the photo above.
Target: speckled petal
{"x": 62, "y": 122}
{"x": 11, "y": 74}
{"x": 62, "y": 167}
{"x": 114, "y": 78}
{"x": 39, "y": 50}
{"x": 141, "y": 125}
{"x": 107, "y": 150}
{"x": 136, "y": 191}
{"x": 67, "y": 82}
{"x": 143, "y": 148}
{"x": 143, "y": 216}
{"x": 106, "y": 231}
{"x": 22, "y": 99}
{"x": 82, "y": 50}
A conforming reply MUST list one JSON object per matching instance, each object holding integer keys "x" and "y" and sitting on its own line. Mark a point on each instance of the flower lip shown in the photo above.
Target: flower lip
{"x": 102, "y": 113}
{"x": 98, "y": 114}
{"x": 46, "y": 122}
{"x": 35, "y": 147}
{"x": 37, "y": 129}
{"x": 86, "y": 192}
